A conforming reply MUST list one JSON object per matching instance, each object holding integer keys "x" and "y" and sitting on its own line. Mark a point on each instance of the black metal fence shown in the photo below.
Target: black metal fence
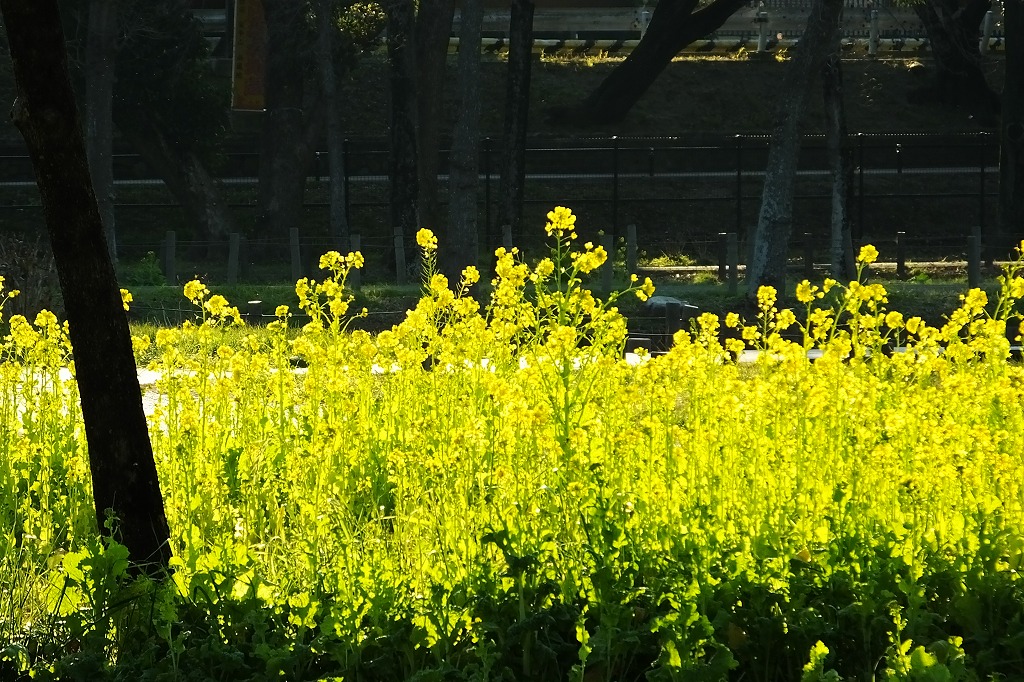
{"x": 679, "y": 193}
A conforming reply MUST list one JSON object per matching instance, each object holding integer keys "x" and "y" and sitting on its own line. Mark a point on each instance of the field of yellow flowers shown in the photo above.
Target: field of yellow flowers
{"x": 497, "y": 493}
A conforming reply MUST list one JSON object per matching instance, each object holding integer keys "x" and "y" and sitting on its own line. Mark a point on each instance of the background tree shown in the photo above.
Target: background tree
{"x": 775, "y": 220}
{"x": 402, "y": 165}
{"x": 1011, "y": 128}
{"x": 326, "y": 39}
{"x": 100, "y": 57}
{"x": 461, "y": 241}
{"x": 674, "y": 25}
{"x": 124, "y": 478}
{"x": 517, "y": 110}
{"x": 840, "y": 161}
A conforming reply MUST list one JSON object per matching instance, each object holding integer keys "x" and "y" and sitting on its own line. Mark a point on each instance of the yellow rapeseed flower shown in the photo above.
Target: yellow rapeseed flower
{"x": 126, "y": 298}
{"x": 805, "y": 292}
{"x": 646, "y": 290}
{"x": 470, "y": 275}
{"x": 868, "y": 254}
{"x": 560, "y": 221}
{"x": 426, "y": 240}
{"x": 195, "y": 291}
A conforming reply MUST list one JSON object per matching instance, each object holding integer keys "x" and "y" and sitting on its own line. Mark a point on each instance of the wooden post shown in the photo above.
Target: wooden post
{"x": 873, "y": 34}
{"x": 401, "y": 269}
{"x": 293, "y": 242}
{"x": 233, "y": 244}
{"x": 608, "y": 272}
{"x": 733, "y": 248}
{"x": 723, "y": 256}
{"x": 355, "y": 276}
{"x": 506, "y": 236}
{"x": 901, "y": 255}
{"x": 170, "y": 271}
{"x": 631, "y": 249}
{"x": 974, "y": 260}
{"x": 254, "y": 313}
{"x": 762, "y": 30}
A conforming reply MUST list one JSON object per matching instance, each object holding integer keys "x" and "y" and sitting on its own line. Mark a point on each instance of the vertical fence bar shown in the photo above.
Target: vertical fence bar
{"x": 981, "y": 193}
{"x": 739, "y": 184}
{"x": 345, "y": 176}
{"x": 873, "y": 34}
{"x": 233, "y": 244}
{"x": 901, "y": 255}
{"x": 170, "y": 268}
{"x": 506, "y": 236}
{"x": 244, "y": 257}
{"x": 615, "y": 186}
{"x": 723, "y": 257}
{"x": 974, "y": 259}
{"x": 355, "y": 276}
{"x": 293, "y": 245}
{"x": 733, "y": 248}
{"x": 488, "y": 232}
{"x": 401, "y": 269}
{"x": 859, "y": 233}
{"x": 631, "y": 249}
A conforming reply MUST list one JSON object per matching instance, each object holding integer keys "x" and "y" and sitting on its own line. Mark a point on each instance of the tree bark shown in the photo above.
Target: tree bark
{"x": 517, "y": 110}
{"x": 124, "y": 477}
{"x": 953, "y": 33}
{"x": 326, "y": 30}
{"x": 433, "y": 30}
{"x": 840, "y": 159}
{"x": 463, "y": 240}
{"x": 404, "y": 178}
{"x": 1011, "y": 129}
{"x": 775, "y": 220}
{"x": 284, "y": 149}
{"x": 674, "y": 25}
{"x": 100, "y": 54}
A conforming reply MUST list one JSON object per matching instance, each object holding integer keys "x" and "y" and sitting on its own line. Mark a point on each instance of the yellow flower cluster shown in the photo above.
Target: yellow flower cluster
{"x": 561, "y": 222}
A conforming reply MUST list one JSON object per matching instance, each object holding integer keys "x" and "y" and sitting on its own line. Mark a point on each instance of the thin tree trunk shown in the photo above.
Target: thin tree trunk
{"x": 335, "y": 129}
{"x": 124, "y": 477}
{"x": 517, "y": 109}
{"x": 1011, "y": 129}
{"x": 100, "y": 53}
{"x": 403, "y": 160}
{"x": 775, "y": 220}
{"x": 433, "y": 30}
{"x": 463, "y": 240}
{"x": 674, "y": 25}
{"x": 840, "y": 159}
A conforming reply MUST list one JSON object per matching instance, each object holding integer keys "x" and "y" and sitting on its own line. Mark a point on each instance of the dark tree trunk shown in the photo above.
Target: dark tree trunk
{"x": 185, "y": 175}
{"x": 124, "y": 477}
{"x": 1011, "y": 129}
{"x": 517, "y": 109}
{"x": 674, "y": 25}
{"x": 404, "y": 181}
{"x": 775, "y": 220}
{"x": 463, "y": 240}
{"x": 100, "y": 54}
{"x": 840, "y": 161}
{"x": 326, "y": 31}
{"x": 433, "y": 29}
{"x": 284, "y": 149}
{"x": 953, "y": 33}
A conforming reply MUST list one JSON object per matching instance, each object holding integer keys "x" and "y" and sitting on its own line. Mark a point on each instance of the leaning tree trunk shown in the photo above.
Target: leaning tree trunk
{"x": 1011, "y": 129}
{"x": 840, "y": 161}
{"x": 433, "y": 30}
{"x": 284, "y": 152}
{"x": 463, "y": 241}
{"x": 124, "y": 477}
{"x": 100, "y": 54}
{"x": 326, "y": 30}
{"x": 402, "y": 163}
{"x": 953, "y": 34}
{"x": 517, "y": 109}
{"x": 674, "y": 25}
{"x": 775, "y": 220}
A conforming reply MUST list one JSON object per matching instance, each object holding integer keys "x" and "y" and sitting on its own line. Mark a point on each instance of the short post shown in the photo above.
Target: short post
{"x": 762, "y": 30}
{"x": 233, "y": 247}
{"x": 723, "y": 256}
{"x": 506, "y": 236}
{"x": 808, "y": 255}
{"x": 987, "y": 24}
{"x": 401, "y": 269}
{"x": 254, "y": 313}
{"x": 631, "y": 249}
{"x": 355, "y": 275}
{"x": 733, "y": 249}
{"x": 873, "y": 34}
{"x": 244, "y": 256}
{"x": 974, "y": 259}
{"x": 645, "y": 20}
{"x": 901, "y": 255}
{"x": 293, "y": 242}
{"x": 608, "y": 273}
{"x": 170, "y": 241}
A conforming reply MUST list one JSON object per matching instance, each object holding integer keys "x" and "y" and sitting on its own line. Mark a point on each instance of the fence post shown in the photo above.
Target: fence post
{"x": 808, "y": 255}
{"x": 739, "y": 184}
{"x": 488, "y": 233}
{"x": 293, "y": 243}
{"x": 723, "y": 256}
{"x": 631, "y": 249}
{"x": 873, "y": 34}
{"x": 733, "y": 248}
{"x": 345, "y": 176}
{"x": 981, "y": 194}
{"x": 401, "y": 269}
{"x": 987, "y": 25}
{"x": 355, "y": 275}
{"x": 615, "y": 185}
{"x": 506, "y": 236}
{"x": 974, "y": 259}
{"x": 254, "y": 313}
{"x": 233, "y": 244}
{"x": 762, "y": 30}
{"x": 608, "y": 274}
{"x": 244, "y": 256}
{"x": 859, "y": 232}
{"x": 170, "y": 272}
{"x": 901, "y": 255}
